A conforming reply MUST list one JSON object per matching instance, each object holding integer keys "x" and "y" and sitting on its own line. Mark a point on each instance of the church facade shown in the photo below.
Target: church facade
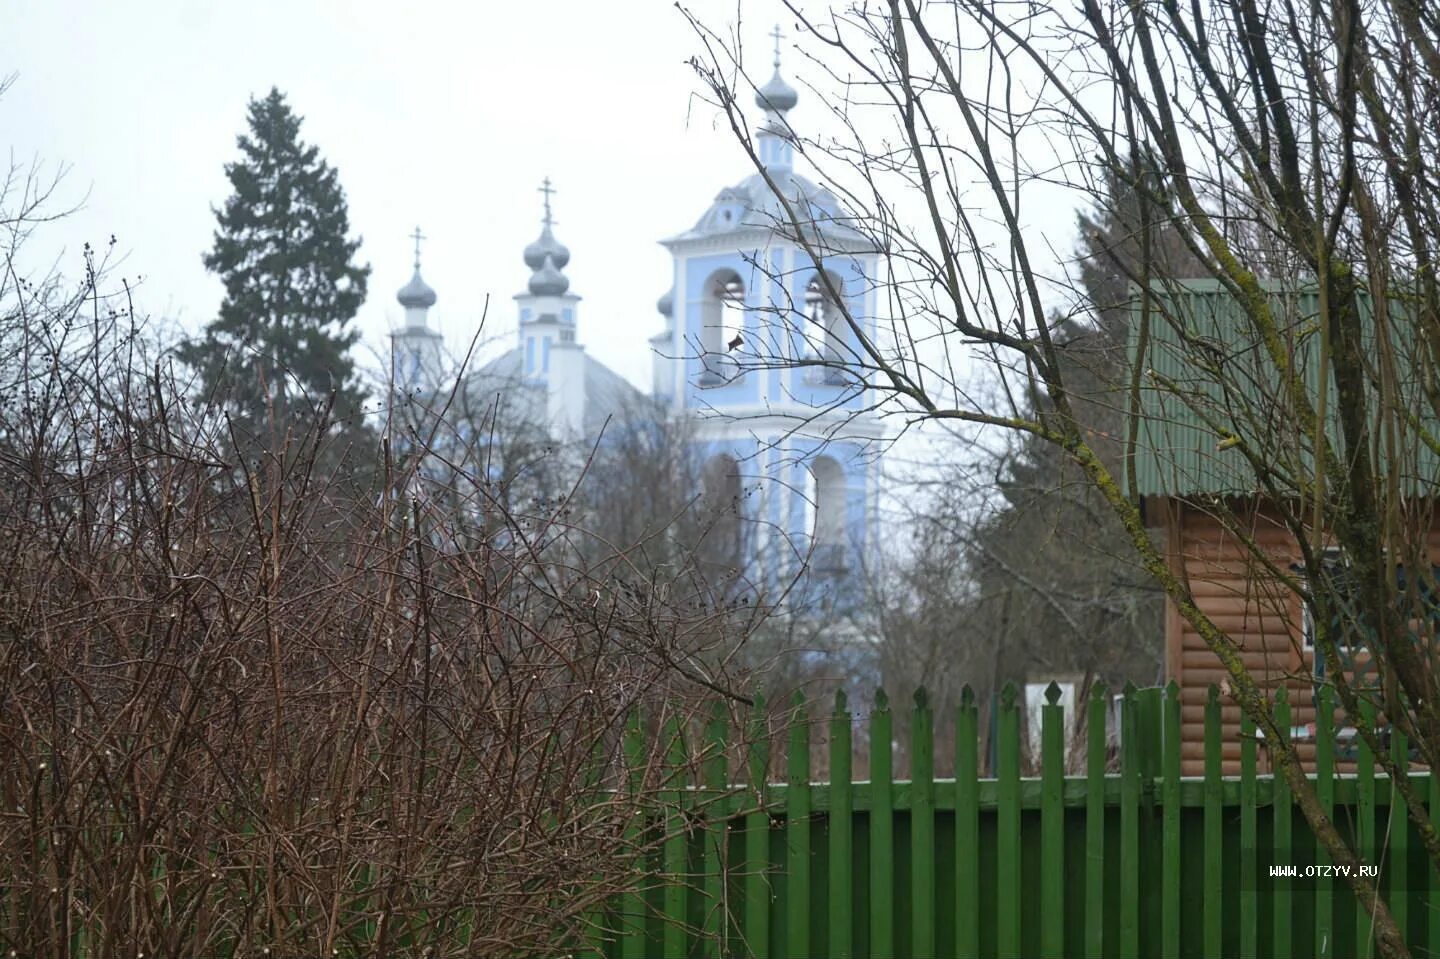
{"x": 771, "y": 295}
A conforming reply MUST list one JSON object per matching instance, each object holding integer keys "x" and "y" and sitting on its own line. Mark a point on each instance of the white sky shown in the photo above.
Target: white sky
{"x": 442, "y": 114}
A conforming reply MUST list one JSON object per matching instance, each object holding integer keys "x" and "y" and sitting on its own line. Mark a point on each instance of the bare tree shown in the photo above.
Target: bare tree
{"x": 1289, "y": 149}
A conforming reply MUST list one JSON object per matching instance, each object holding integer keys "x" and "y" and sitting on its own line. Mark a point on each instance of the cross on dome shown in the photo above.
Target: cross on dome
{"x": 776, "y": 96}
{"x": 416, "y": 295}
{"x": 547, "y": 189}
{"x": 547, "y": 256}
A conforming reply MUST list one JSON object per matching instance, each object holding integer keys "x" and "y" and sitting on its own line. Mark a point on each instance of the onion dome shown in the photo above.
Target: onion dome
{"x": 547, "y": 245}
{"x": 776, "y": 96}
{"x": 548, "y": 280}
{"x": 416, "y": 293}
{"x": 666, "y": 303}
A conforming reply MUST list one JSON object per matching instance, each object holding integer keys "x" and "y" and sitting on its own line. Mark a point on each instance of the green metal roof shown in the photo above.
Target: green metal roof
{"x": 1187, "y": 409}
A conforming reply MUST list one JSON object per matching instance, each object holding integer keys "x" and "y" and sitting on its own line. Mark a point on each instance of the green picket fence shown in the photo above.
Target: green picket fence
{"x": 1138, "y": 862}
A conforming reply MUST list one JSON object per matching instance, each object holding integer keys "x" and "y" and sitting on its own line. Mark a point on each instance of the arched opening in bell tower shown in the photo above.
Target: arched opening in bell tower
{"x": 824, "y": 331}
{"x": 722, "y": 321}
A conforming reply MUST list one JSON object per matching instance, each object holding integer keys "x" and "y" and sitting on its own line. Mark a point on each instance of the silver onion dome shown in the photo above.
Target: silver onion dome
{"x": 666, "y": 303}
{"x": 547, "y": 245}
{"x": 548, "y": 280}
{"x": 776, "y": 96}
{"x": 416, "y": 293}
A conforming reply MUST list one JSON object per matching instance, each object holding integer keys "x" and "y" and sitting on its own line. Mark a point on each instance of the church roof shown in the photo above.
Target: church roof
{"x": 751, "y": 204}
{"x": 607, "y": 393}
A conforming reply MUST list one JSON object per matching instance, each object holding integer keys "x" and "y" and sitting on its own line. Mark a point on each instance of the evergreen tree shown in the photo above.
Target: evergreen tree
{"x": 1087, "y": 606}
{"x": 282, "y": 338}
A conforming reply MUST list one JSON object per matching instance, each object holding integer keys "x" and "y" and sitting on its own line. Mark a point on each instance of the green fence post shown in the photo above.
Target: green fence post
{"x": 1052, "y": 824}
{"x": 842, "y": 867}
{"x": 632, "y": 910}
{"x": 1249, "y": 913}
{"x": 1282, "y": 847}
{"x": 882, "y": 832}
{"x": 797, "y": 832}
{"x": 757, "y": 838}
{"x": 1096, "y": 759}
{"x": 967, "y": 827}
{"x": 1129, "y": 825}
{"x": 595, "y": 930}
{"x": 1399, "y": 851}
{"x": 1432, "y": 876}
{"x": 1325, "y": 790}
{"x": 675, "y": 935}
{"x": 715, "y": 924}
{"x": 1007, "y": 857}
{"x": 1214, "y": 839}
{"x": 922, "y": 829}
{"x": 1170, "y": 826}
{"x": 1365, "y": 821}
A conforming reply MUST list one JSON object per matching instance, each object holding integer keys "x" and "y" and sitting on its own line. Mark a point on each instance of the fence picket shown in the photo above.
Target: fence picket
{"x": 1170, "y": 828}
{"x": 1432, "y": 875}
{"x": 797, "y": 832}
{"x": 757, "y": 838}
{"x": 842, "y": 876}
{"x": 1399, "y": 833}
{"x": 1052, "y": 824}
{"x": 1325, "y": 790}
{"x": 1249, "y": 914}
{"x": 1365, "y": 831}
{"x": 1129, "y": 825}
{"x": 1281, "y": 848}
{"x": 1214, "y": 847}
{"x": 922, "y": 829}
{"x": 1097, "y": 749}
{"x": 715, "y": 924}
{"x": 882, "y": 831}
{"x": 967, "y": 827}
{"x": 675, "y": 933}
{"x": 632, "y": 909}
{"x": 1007, "y": 854}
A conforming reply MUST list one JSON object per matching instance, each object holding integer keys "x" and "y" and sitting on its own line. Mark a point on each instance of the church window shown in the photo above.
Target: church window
{"x": 545, "y": 356}
{"x": 529, "y": 354}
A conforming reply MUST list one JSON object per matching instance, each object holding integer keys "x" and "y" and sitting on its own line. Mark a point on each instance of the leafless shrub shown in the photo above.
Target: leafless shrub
{"x": 310, "y": 702}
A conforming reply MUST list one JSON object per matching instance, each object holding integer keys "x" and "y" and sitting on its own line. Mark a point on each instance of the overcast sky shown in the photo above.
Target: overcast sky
{"x": 441, "y": 114}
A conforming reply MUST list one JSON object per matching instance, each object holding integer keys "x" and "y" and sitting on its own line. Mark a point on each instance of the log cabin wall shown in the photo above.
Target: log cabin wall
{"x": 1244, "y": 599}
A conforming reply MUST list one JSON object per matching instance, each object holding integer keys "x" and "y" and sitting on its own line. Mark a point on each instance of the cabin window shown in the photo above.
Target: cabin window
{"x": 1417, "y": 602}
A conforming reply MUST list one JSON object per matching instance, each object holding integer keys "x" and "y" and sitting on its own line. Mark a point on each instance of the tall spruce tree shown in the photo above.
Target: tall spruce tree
{"x": 280, "y": 345}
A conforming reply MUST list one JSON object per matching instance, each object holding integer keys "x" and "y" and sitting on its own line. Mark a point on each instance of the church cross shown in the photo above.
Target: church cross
{"x": 417, "y": 236}
{"x": 547, "y": 189}
{"x": 776, "y": 34}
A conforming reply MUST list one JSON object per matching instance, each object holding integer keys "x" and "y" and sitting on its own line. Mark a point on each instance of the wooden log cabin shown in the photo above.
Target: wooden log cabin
{"x": 1203, "y": 500}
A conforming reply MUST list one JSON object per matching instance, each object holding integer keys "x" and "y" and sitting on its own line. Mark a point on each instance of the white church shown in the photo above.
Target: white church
{"x": 748, "y": 320}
